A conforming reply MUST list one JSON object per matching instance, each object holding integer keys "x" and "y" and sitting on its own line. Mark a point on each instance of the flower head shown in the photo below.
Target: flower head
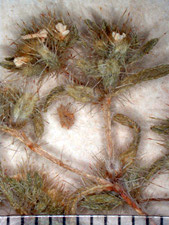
{"x": 118, "y": 37}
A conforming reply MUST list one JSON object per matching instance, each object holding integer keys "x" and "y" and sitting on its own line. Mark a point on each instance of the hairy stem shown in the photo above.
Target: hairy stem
{"x": 127, "y": 198}
{"x": 20, "y": 135}
{"x": 107, "y": 118}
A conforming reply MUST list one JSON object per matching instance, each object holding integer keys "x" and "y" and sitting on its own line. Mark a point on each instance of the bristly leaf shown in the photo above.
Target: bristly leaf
{"x": 30, "y": 194}
{"x": 23, "y": 108}
{"x": 146, "y": 75}
{"x": 158, "y": 165}
{"x": 101, "y": 202}
{"x": 81, "y": 194}
{"x": 109, "y": 71}
{"x": 7, "y": 64}
{"x": 38, "y": 122}
{"x": 133, "y": 179}
{"x": 128, "y": 157}
{"x": 8, "y": 98}
{"x": 48, "y": 57}
{"x": 81, "y": 93}
{"x": 145, "y": 49}
{"x": 92, "y": 25}
{"x": 30, "y": 70}
{"x": 162, "y": 128}
{"x": 53, "y": 95}
{"x": 136, "y": 177}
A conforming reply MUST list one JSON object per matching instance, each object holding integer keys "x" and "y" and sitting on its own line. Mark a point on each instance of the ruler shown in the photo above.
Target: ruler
{"x": 83, "y": 220}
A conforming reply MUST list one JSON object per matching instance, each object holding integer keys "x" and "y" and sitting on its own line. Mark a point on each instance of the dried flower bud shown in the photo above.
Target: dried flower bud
{"x": 40, "y": 34}
{"x": 20, "y": 61}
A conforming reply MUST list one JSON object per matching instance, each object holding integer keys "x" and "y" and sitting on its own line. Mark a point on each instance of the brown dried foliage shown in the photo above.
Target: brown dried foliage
{"x": 66, "y": 116}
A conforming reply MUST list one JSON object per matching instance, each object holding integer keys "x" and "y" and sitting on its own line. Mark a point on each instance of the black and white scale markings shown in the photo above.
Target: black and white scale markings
{"x": 83, "y": 220}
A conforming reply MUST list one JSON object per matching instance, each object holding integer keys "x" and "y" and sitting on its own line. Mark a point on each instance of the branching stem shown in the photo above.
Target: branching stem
{"x": 21, "y": 136}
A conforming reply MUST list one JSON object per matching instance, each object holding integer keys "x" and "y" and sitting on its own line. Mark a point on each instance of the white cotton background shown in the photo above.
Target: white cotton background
{"x": 79, "y": 145}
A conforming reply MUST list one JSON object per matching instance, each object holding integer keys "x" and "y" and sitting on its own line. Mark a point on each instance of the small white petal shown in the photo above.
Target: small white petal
{"x": 117, "y": 36}
{"x": 19, "y": 61}
{"x": 60, "y": 27}
{"x": 113, "y": 34}
{"x": 65, "y": 33}
{"x": 64, "y": 27}
{"x": 43, "y": 33}
{"x": 124, "y": 35}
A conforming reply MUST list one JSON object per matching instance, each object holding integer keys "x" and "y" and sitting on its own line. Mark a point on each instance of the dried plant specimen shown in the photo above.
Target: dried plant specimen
{"x": 45, "y": 50}
{"x": 106, "y": 68}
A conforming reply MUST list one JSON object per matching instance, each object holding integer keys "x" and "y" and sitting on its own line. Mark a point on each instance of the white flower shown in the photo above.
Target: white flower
{"x": 62, "y": 29}
{"x": 19, "y": 61}
{"x": 117, "y": 36}
{"x": 40, "y": 34}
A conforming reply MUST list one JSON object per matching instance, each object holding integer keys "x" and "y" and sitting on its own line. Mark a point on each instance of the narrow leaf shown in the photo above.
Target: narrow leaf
{"x": 53, "y": 95}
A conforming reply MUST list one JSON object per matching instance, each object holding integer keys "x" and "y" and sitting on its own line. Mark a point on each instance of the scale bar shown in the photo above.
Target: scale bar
{"x": 83, "y": 220}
